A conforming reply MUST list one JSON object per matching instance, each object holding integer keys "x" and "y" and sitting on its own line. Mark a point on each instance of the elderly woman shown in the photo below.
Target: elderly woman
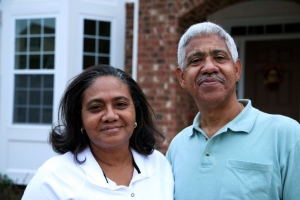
{"x": 106, "y": 140}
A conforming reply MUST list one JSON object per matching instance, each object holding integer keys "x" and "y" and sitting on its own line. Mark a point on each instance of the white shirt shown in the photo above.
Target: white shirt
{"x": 61, "y": 178}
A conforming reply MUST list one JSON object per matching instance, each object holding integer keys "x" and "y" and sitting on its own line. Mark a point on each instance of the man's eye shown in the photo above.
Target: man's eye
{"x": 220, "y": 58}
{"x": 195, "y": 61}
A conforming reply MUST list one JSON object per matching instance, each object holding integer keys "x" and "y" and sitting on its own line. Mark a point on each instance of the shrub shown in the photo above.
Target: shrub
{"x": 9, "y": 190}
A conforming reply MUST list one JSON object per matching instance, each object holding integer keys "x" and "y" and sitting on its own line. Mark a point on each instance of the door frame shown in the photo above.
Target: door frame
{"x": 241, "y": 41}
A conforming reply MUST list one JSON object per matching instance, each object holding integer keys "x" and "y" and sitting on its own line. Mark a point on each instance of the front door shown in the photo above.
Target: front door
{"x": 272, "y": 76}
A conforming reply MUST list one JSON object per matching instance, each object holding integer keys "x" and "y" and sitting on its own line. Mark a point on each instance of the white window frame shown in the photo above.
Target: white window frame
{"x": 32, "y": 71}
{"x": 110, "y": 39}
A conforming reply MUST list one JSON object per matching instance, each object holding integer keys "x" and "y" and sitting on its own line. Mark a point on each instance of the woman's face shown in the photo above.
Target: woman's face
{"x": 108, "y": 113}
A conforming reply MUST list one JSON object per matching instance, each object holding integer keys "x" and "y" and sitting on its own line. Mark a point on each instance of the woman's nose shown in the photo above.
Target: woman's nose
{"x": 110, "y": 114}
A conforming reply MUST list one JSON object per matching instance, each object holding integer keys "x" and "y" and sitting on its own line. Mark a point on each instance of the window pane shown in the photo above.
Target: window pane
{"x": 89, "y": 27}
{"x": 35, "y": 81}
{"x": 20, "y": 97}
{"x": 34, "y": 61}
{"x": 88, "y": 61}
{"x": 47, "y": 116}
{"x": 20, "y": 62}
{"x": 35, "y": 97}
{"x": 34, "y": 115}
{"x": 48, "y": 98}
{"x": 19, "y": 114}
{"x": 274, "y": 28}
{"x": 239, "y": 30}
{"x": 35, "y": 26}
{"x": 21, "y": 44}
{"x": 48, "y": 81}
{"x": 253, "y": 30}
{"x": 21, "y": 27}
{"x": 103, "y": 46}
{"x": 104, "y": 28}
{"x": 21, "y": 81}
{"x": 30, "y": 49}
{"x": 49, "y": 26}
{"x": 89, "y": 45}
{"x": 49, "y": 43}
{"x": 96, "y": 42}
{"x": 292, "y": 28}
{"x": 48, "y": 62}
{"x": 103, "y": 60}
{"x": 35, "y": 43}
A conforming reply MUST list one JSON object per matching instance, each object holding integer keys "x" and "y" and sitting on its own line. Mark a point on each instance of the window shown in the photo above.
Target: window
{"x": 33, "y": 71}
{"x": 266, "y": 29}
{"x": 96, "y": 43}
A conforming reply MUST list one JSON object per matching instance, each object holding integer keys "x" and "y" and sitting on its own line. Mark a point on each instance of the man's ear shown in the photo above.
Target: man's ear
{"x": 238, "y": 66}
{"x": 180, "y": 77}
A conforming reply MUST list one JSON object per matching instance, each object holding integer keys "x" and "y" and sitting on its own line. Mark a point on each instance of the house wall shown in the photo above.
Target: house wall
{"x": 161, "y": 24}
{"x": 24, "y": 146}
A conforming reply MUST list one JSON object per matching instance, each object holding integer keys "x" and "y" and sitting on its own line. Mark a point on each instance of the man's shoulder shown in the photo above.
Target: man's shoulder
{"x": 186, "y": 132}
{"x": 278, "y": 120}
{"x": 181, "y": 136}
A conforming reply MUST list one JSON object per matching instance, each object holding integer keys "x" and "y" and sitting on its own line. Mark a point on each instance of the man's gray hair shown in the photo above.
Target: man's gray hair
{"x": 200, "y": 29}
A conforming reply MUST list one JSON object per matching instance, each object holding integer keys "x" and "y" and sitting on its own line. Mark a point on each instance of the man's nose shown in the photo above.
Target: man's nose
{"x": 209, "y": 66}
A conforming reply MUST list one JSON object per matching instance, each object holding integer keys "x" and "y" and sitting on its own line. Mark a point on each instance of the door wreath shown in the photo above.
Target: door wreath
{"x": 273, "y": 75}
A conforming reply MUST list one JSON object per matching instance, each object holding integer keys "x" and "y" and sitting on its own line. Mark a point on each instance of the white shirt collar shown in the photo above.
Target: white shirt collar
{"x": 95, "y": 175}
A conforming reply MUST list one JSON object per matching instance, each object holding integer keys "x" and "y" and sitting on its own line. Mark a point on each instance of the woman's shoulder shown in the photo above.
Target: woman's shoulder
{"x": 158, "y": 158}
{"x": 155, "y": 158}
{"x": 58, "y": 167}
{"x": 59, "y": 161}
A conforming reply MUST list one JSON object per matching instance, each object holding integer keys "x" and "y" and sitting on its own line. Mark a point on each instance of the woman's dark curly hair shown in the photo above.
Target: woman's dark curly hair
{"x": 67, "y": 136}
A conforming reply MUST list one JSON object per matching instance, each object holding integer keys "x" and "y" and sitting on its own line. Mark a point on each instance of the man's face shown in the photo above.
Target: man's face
{"x": 209, "y": 73}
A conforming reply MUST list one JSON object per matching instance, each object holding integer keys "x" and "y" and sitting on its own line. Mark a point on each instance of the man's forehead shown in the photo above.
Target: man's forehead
{"x": 206, "y": 43}
{"x": 203, "y": 52}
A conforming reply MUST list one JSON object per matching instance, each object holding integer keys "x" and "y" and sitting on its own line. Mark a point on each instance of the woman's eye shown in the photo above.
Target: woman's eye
{"x": 121, "y": 104}
{"x": 95, "y": 107}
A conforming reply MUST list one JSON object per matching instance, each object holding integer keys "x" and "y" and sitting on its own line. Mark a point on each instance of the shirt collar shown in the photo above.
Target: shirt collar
{"x": 94, "y": 172}
{"x": 92, "y": 169}
{"x": 243, "y": 122}
{"x": 144, "y": 164}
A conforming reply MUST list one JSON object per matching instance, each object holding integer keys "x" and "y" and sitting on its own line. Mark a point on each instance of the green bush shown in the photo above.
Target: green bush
{"x": 8, "y": 190}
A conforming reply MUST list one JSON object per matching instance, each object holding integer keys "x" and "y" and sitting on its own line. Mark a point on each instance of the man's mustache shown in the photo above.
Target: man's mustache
{"x": 213, "y": 75}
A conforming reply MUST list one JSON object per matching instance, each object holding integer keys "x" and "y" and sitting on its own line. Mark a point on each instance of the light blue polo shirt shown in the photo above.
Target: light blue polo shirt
{"x": 255, "y": 156}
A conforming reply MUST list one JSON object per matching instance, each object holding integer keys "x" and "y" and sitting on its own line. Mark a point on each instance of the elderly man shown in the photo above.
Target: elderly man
{"x": 232, "y": 150}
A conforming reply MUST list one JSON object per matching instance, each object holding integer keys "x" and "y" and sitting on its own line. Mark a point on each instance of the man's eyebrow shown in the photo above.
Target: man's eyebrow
{"x": 216, "y": 51}
{"x": 197, "y": 53}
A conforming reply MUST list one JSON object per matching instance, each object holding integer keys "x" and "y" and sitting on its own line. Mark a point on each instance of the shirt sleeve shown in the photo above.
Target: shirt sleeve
{"x": 38, "y": 188}
{"x": 291, "y": 175}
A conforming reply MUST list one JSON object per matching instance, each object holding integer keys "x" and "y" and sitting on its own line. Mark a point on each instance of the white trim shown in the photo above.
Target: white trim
{"x": 135, "y": 37}
{"x": 113, "y": 38}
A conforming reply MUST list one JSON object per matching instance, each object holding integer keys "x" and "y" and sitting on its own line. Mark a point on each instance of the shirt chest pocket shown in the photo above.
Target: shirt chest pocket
{"x": 246, "y": 180}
